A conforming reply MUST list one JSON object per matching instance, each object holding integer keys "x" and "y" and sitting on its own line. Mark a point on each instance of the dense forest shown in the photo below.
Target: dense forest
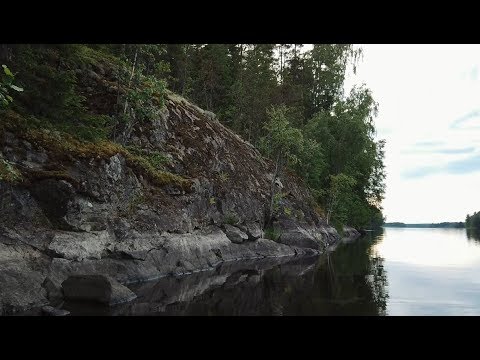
{"x": 473, "y": 221}
{"x": 286, "y": 100}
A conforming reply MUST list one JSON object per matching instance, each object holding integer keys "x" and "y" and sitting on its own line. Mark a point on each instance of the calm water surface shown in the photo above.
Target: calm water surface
{"x": 391, "y": 272}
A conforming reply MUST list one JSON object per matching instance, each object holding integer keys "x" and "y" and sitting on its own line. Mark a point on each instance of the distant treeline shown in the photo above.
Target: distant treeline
{"x": 438, "y": 225}
{"x": 473, "y": 221}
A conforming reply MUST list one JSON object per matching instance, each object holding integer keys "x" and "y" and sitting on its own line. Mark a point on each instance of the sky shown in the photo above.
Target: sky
{"x": 429, "y": 115}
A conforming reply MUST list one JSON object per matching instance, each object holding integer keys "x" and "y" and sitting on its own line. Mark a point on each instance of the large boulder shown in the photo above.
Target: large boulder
{"x": 350, "y": 234}
{"x": 300, "y": 237}
{"x": 96, "y": 288}
{"x": 235, "y": 235}
{"x": 253, "y": 230}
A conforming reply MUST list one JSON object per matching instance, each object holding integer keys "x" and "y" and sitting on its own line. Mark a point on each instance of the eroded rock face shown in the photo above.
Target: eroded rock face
{"x": 102, "y": 217}
{"x": 22, "y": 271}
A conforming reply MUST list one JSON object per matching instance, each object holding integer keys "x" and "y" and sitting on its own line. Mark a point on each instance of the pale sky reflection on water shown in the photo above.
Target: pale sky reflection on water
{"x": 423, "y": 248}
{"x": 430, "y": 271}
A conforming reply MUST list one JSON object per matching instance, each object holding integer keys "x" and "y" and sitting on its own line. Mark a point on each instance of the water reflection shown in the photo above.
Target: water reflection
{"x": 349, "y": 281}
{"x": 473, "y": 235}
{"x": 431, "y": 271}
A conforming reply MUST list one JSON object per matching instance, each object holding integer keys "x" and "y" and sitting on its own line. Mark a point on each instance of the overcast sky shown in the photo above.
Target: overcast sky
{"x": 429, "y": 114}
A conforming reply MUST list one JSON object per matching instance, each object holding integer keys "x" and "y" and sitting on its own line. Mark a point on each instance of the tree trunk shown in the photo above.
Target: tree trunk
{"x": 130, "y": 80}
{"x": 330, "y": 208}
{"x": 272, "y": 188}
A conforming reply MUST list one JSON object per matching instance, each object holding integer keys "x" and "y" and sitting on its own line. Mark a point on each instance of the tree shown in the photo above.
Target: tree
{"x": 329, "y": 64}
{"x": 253, "y": 91}
{"x": 282, "y": 144}
{"x": 338, "y": 193}
{"x": 287, "y": 101}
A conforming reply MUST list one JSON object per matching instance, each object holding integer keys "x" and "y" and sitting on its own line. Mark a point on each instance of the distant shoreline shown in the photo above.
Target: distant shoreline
{"x": 454, "y": 225}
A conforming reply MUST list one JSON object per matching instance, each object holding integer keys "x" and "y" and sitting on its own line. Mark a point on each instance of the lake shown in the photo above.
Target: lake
{"x": 394, "y": 271}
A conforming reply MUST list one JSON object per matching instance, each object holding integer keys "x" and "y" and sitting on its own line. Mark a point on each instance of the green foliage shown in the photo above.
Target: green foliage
{"x": 231, "y": 219}
{"x": 50, "y": 81}
{"x": 473, "y": 221}
{"x": 339, "y": 195}
{"x": 282, "y": 141}
{"x": 212, "y": 201}
{"x": 272, "y": 233}
{"x": 6, "y": 85}
{"x": 8, "y": 172}
{"x": 91, "y": 127}
{"x": 146, "y": 99}
{"x": 277, "y": 199}
{"x": 289, "y": 103}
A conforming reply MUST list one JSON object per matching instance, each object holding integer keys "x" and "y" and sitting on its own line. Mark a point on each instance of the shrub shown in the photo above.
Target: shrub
{"x": 272, "y": 233}
{"x": 6, "y": 85}
{"x": 230, "y": 219}
{"x": 8, "y": 172}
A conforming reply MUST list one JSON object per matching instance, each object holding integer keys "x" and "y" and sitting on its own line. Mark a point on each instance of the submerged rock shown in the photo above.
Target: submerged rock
{"x": 51, "y": 311}
{"x": 54, "y": 292}
{"x": 96, "y": 288}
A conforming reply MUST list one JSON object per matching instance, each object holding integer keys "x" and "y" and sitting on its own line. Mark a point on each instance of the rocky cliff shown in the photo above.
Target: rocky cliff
{"x": 96, "y": 208}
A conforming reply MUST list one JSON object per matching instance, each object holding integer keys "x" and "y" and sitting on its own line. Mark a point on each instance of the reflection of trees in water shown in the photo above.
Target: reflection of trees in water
{"x": 379, "y": 285}
{"x": 473, "y": 234}
{"x": 349, "y": 281}
{"x": 357, "y": 281}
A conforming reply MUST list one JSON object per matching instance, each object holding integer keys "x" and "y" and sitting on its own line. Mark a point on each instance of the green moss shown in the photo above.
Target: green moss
{"x": 9, "y": 173}
{"x": 157, "y": 159}
{"x": 157, "y": 177}
{"x": 63, "y": 147}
